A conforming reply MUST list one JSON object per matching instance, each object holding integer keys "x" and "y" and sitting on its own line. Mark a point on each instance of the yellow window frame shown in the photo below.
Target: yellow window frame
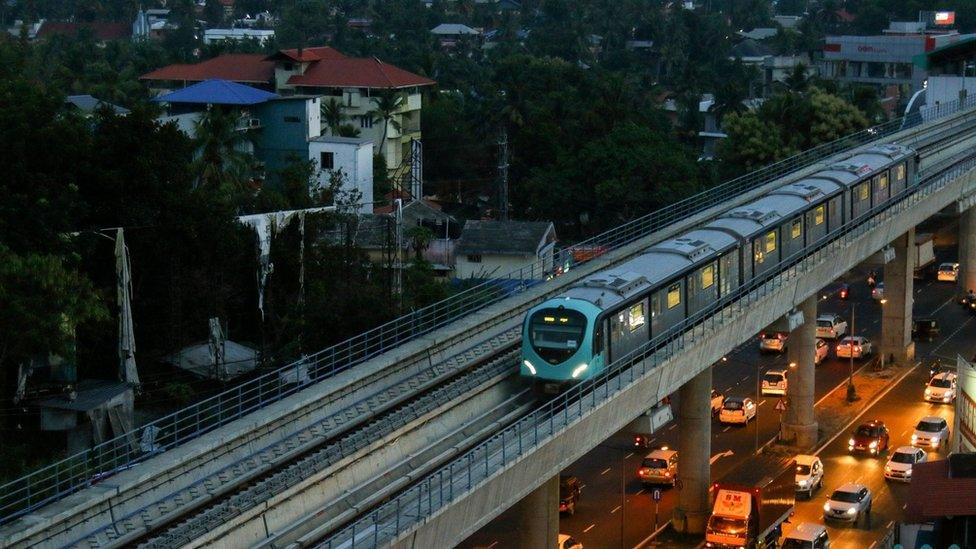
{"x": 819, "y": 215}
{"x": 707, "y": 276}
{"x": 796, "y": 228}
{"x": 674, "y": 295}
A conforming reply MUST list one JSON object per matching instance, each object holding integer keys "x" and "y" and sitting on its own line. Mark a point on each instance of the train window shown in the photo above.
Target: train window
{"x": 636, "y": 317}
{"x": 556, "y": 334}
{"x": 819, "y": 215}
{"x": 883, "y": 181}
{"x": 900, "y": 172}
{"x": 674, "y": 295}
{"x": 796, "y": 228}
{"x": 707, "y": 276}
{"x": 770, "y": 242}
{"x": 863, "y": 191}
{"x": 757, "y": 252}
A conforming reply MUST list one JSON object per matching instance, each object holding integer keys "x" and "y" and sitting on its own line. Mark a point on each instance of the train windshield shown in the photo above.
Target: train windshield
{"x": 556, "y": 334}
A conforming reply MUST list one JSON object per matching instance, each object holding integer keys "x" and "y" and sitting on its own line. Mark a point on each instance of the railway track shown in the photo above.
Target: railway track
{"x": 151, "y": 511}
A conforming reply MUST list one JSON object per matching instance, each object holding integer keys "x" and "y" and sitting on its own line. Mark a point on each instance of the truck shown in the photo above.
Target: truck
{"x": 924, "y": 254}
{"x": 751, "y": 503}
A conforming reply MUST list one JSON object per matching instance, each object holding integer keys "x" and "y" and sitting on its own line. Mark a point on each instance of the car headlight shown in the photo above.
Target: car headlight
{"x": 935, "y": 440}
{"x": 850, "y": 442}
{"x": 873, "y": 445}
{"x": 914, "y": 438}
{"x": 804, "y": 482}
{"x": 947, "y": 398}
{"x": 887, "y": 468}
{"x": 852, "y": 511}
{"x": 826, "y": 506}
{"x": 928, "y": 392}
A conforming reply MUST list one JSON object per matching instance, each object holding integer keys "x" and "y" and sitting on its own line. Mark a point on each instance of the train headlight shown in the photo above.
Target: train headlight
{"x": 579, "y": 370}
{"x": 529, "y": 366}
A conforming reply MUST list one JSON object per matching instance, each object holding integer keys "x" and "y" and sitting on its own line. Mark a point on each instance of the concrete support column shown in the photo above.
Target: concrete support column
{"x": 694, "y": 447}
{"x": 896, "y": 312}
{"x": 538, "y": 516}
{"x": 967, "y": 250}
{"x": 799, "y": 425}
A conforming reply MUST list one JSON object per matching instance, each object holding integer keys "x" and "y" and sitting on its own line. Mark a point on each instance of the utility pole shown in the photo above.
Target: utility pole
{"x": 503, "y": 174}
{"x": 398, "y": 250}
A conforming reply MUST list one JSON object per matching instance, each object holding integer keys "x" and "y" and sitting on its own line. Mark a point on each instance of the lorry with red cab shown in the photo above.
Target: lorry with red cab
{"x": 751, "y": 503}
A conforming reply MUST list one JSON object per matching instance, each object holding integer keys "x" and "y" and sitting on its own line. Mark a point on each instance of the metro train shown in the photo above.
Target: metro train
{"x": 575, "y": 335}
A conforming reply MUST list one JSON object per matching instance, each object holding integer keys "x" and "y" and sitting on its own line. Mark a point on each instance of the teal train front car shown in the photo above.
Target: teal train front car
{"x": 557, "y": 343}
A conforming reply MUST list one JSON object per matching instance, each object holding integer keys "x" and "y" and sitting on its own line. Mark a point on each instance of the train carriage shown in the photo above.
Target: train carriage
{"x": 609, "y": 314}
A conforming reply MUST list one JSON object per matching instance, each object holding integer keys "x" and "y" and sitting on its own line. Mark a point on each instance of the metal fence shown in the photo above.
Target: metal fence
{"x": 81, "y": 470}
{"x": 421, "y": 501}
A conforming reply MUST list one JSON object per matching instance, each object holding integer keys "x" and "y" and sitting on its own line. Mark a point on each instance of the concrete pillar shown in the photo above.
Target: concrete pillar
{"x": 967, "y": 250}
{"x": 538, "y": 516}
{"x": 798, "y": 424}
{"x": 694, "y": 447}
{"x": 896, "y": 312}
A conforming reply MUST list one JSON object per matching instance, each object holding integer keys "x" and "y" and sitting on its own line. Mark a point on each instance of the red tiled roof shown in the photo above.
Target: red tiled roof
{"x": 956, "y": 496}
{"x": 309, "y": 54}
{"x": 358, "y": 73}
{"x": 101, "y": 30}
{"x": 236, "y": 67}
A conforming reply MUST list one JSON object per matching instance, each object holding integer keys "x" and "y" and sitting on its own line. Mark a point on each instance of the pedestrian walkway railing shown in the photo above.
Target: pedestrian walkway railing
{"x": 461, "y": 476}
{"x": 85, "y": 468}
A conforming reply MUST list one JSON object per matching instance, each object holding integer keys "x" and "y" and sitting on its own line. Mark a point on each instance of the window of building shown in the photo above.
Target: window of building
{"x": 327, "y": 160}
{"x": 474, "y": 258}
{"x": 708, "y": 276}
{"x": 796, "y": 228}
{"x": 674, "y": 295}
{"x": 636, "y": 317}
{"x": 770, "y": 242}
{"x": 366, "y": 121}
{"x": 819, "y": 215}
{"x": 864, "y": 191}
{"x": 289, "y": 66}
{"x": 293, "y": 119}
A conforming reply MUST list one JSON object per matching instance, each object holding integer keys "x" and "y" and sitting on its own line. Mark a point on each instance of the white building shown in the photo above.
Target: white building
{"x": 493, "y": 249}
{"x": 219, "y": 35}
{"x": 353, "y": 156}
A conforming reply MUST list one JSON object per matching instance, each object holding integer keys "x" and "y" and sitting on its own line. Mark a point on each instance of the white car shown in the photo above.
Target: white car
{"x": 809, "y": 474}
{"x": 717, "y": 400}
{"x": 659, "y": 467}
{"x": 565, "y": 541}
{"x": 820, "y": 352}
{"x": 899, "y": 466}
{"x": 932, "y": 431}
{"x": 941, "y": 388}
{"x": 774, "y": 341}
{"x": 737, "y": 410}
{"x": 831, "y": 326}
{"x": 774, "y": 382}
{"x": 948, "y": 272}
{"x": 848, "y": 503}
{"x": 807, "y": 535}
{"x": 859, "y": 346}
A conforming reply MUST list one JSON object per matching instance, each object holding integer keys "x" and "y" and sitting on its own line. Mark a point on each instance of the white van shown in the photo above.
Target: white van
{"x": 807, "y": 535}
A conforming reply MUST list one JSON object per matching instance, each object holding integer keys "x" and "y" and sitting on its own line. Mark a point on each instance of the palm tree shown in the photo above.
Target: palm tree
{"x": 386, "y": 105}
{"x": 420, "y": 238}
{"x": 333, "y": 115}
{"x": 220, "y": 157}
{"x": 347, "y": 130}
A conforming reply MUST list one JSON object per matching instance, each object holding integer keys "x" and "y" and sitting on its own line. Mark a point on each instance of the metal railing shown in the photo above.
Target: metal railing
{"x": 83, "y": 469}
{"x": 457, "y": 479}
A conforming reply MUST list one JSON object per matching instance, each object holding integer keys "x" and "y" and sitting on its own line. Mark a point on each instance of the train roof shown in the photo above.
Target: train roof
{"x": 854, "y": 168}
{"x": 811, "y": 189}
{"x": 754, "y": 217}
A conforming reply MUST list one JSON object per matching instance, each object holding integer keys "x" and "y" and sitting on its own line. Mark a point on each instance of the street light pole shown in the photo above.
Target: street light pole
{"x": 851, "y": 391}
{"x": 758, "y": 384}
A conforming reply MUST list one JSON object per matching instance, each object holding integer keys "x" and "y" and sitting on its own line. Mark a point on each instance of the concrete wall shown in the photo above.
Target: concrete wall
{"x": 497, "y": 265}
{"x": 354, "y": 157}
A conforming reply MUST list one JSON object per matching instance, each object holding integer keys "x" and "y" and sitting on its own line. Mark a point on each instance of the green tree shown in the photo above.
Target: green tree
{"x": 833, "y": 118}
{"x": 333, "y": 114}
{"x": 220, "y": 161}
{"x": 41, "y": 301}
{"x": 385, "y": 110}
{"x": 751, "y": 143}
{"x": 420, "y": 239}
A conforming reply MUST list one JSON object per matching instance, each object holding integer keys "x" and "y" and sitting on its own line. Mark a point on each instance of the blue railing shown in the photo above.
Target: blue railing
{"x": 418, "y": 503}
{"x": 81, "y": 470}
